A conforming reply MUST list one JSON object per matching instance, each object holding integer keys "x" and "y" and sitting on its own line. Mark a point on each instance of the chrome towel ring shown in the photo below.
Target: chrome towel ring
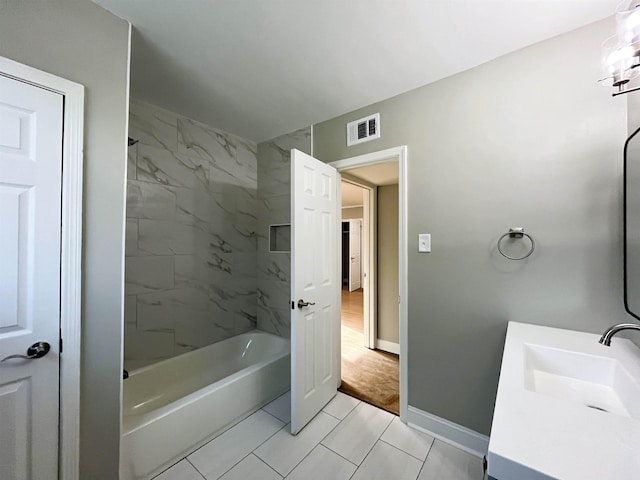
{"x": 517, "y": 232}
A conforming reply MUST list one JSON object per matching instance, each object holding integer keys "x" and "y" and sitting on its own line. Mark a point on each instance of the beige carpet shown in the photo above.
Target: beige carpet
{"x": 369, "y": 375}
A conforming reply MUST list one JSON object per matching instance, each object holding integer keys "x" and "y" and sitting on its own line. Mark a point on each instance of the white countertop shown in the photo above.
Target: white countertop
{"x": 535, "y": 436}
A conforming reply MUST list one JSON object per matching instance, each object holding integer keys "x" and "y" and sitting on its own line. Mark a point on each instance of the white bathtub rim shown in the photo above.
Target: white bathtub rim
{"x": 161, "y": 363}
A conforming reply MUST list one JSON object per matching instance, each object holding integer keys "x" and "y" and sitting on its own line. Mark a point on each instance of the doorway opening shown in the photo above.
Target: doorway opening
{"x": 370, "y": 317}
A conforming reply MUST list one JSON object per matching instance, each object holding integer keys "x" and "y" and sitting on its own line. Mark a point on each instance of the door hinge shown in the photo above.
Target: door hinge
{"x": 398, "y": 298}
{"x": 60, "y": 344}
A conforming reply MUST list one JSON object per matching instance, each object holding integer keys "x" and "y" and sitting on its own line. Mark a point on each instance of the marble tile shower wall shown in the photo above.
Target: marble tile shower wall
{"x": 274, "y": 200}
{"x": 191, "y": 253}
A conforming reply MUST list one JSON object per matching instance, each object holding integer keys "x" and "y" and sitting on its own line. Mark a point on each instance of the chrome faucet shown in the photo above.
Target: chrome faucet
{"x": 605, "y": 339}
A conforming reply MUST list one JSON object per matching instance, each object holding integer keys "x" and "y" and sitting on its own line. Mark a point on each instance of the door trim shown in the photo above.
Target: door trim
{"x": 382, "y": 156}
{"x": 70, "y": 258}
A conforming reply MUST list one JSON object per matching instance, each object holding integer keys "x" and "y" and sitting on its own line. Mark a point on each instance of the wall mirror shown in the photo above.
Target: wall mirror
{"x": 632, "y": 224}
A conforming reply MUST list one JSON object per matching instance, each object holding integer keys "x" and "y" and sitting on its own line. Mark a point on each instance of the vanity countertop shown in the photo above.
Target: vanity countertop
{"x": 542, "y": 427}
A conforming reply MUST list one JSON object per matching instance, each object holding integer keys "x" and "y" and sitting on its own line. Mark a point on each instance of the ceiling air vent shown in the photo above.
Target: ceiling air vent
{"x": 363, "y": 130}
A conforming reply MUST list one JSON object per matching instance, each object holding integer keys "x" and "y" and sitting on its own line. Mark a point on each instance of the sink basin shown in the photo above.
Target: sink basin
{"x": 566, "y": 408}
{"x": 592, "y": 381}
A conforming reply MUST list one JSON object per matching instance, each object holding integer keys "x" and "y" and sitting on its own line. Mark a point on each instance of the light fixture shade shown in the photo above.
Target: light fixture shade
{"x": 619, "y": 61}
{"x": 628, "y": 21}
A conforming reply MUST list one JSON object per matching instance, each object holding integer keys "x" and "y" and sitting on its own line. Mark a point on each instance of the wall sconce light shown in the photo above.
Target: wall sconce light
{"x": 621, "y": 52}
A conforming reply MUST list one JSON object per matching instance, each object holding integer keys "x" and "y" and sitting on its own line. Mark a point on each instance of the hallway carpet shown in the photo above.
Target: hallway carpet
{"x": 369, "y": 375}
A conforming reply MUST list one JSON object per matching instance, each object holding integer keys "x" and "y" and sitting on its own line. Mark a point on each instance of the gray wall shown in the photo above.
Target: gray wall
{"x": 274, "y": 207}
{"x": 633, "y": 116}
{"x": 388, "y": 228}
{"x": 80, "y": 41}
{"x": 191, "y": 236}
{"x": 529, "y": 139}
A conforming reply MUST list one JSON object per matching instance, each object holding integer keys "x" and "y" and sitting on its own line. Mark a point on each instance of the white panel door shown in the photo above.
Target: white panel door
{"x": 30, "y": 216}
{"x": 315, "y": 287}
{"x": 355, "y": 254}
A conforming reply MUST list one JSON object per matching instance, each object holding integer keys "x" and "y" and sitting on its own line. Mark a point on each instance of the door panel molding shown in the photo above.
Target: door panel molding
{"x": 71, "y": 254}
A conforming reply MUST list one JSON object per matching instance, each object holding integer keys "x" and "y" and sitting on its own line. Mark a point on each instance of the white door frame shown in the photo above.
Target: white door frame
{"x": 70, "y": 256}
{"x": 368, "y": 259}
{"x": 401, "y": 154}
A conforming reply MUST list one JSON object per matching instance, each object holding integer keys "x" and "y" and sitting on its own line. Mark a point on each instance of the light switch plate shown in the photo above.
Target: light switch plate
{"x": 424, "y": 242}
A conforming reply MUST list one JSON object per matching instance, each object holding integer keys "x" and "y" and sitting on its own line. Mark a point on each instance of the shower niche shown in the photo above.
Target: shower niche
{"x": 280, "y": 238}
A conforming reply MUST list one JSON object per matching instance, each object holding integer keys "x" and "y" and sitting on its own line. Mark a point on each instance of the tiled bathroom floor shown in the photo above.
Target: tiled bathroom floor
{"x": 349, "y": 439}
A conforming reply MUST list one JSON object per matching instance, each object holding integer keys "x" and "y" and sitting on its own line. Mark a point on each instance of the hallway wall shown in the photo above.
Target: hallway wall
{"x": 388, "y": 275}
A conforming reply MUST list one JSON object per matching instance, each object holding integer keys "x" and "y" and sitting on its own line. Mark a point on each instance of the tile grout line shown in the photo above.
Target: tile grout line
{"x": 261, "y": 460}
{"x": 271, "y": 414}
{"x": 251, "y": 452}
{"x": 401, "y": 450}
{"x": 217, "y": 436}
{"x": 425, "y": 458}
{"x": 169, "y": 467}
{"x": 410, "y": 454}
{"x": 341, "y": 456}
{"x": 367, "y": 454}
{"x": 374, "y": 443}
{"x": 315, "y": 446}
{"x": 352, "y": 409}
{"x": 194, "y": 467}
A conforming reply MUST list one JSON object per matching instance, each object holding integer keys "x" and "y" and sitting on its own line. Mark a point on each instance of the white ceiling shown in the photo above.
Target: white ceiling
{"x": 261, "y": 68}
{"x": 379, "y": 174}
{"x": 352, "y": 195}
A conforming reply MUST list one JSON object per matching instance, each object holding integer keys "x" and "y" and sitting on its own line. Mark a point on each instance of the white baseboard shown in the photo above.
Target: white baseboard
{"x": 449, "y": 432}
{"x": 387, "y": 346}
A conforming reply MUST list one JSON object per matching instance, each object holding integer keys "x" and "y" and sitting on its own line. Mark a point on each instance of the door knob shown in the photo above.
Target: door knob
{"x": 37, "y": 350}
{"x": 302, "y": 303}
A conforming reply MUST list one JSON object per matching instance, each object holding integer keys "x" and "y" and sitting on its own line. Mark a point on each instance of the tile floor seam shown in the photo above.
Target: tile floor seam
{"x": 169, "y": 467}
{"x": 242, "y": 459}
{"x": 433, "y": 440}
{"x": 341, "y": 456}
{"x": 286, "y": 423}
{"x": 347, "y": 414}
{"x": 387, "y": 427}
{"x": 258, "y": 456}
{"x": 314, "y": 447}
{"x": 329, "y": 433}
{"x": 374, "y": 443}
{"x": 332, "y": 416}
{"x": 270, "y": 467}
{"x": 369, "y": 451}
{"x": 233, "y": 424}
{"x": 354, "y": 472}
{"x": 421, "y": 468}
{"x": 194, "y": 467}
{"x": 401, "y": 450}
{"x": 297, "y": 464}
{"x": 228, "y": 470}
{"x": 366, "y": 455}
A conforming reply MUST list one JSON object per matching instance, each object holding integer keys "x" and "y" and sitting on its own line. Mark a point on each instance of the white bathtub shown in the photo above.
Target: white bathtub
{"x": 174, "y": 406}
